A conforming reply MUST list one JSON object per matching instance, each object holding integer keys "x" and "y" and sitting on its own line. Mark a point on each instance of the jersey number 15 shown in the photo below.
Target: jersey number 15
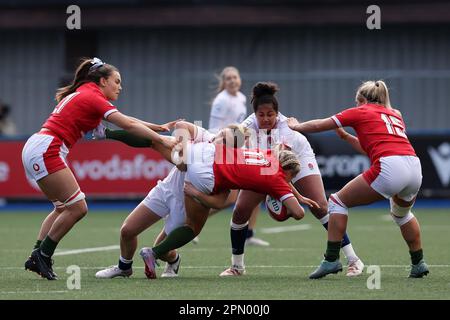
{"x": 394, "y": 125}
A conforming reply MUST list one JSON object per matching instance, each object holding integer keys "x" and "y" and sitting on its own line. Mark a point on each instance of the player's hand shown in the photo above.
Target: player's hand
{"x": 309, "y": 202}
{"x": 169, "y": 126}
{"x": 292, "y": 123}
{"x": 341, "y": 133}
{"x": 168, "y": 142}
{"x": 190, "y": 190}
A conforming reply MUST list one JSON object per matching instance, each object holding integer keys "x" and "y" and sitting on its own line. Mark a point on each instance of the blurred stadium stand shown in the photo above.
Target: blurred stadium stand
{"x": 168, "y": 51}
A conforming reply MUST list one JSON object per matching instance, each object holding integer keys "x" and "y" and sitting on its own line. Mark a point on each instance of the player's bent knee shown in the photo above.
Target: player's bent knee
{"x": 239, "y": 215}
{"x": 321, "y": 212}
{"x": 401, "y": 215}
{"x": 336, "y": 206}
{"x": 59, "y": 206}
{"x": 126, "y": 232}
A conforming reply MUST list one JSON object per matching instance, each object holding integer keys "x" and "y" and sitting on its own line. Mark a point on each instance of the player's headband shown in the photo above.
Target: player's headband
{"x": 96, "y": 63}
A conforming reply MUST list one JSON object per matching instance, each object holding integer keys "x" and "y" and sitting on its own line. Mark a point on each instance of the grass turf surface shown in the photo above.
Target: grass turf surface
{"x": 276, "y": 272}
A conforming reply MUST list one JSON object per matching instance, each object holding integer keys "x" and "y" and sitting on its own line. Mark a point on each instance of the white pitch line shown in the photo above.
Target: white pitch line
{"x": 77, "y": 251}
{"x": 28, "y": 292}
{"x": 286, "y": 229}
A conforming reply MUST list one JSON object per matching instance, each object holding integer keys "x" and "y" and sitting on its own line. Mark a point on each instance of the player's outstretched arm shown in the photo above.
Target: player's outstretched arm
{"x": 159, "y": 127}
{"x": 186, "y": 130}
{"x": 307, "y": 201}
{"x": 294, "y": 208}
{"x": 136, "y": 128}
{"x": 351, "y": 139}
{"x": 216, "y": 201}
{"x": 128, "y": 138}
{"x": 317, "y": 125}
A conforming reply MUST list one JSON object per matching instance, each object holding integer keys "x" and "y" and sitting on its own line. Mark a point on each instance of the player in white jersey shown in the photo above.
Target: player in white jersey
{"x": 164, "y": 201}
{"x": 268, "y": 128}
{"x": 229, "y": 107}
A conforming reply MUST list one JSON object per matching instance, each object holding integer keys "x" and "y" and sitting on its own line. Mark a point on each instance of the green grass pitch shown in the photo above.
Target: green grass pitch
{"x": 276, "y": 272}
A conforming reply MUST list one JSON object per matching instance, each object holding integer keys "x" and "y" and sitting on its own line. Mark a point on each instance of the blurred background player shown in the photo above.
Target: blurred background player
{"x": 270, "y": 128}
{"x": 395, "y": 172}
{"x": 81, "y": 107}
{"x": 229, "y": 107}
{"x": 7, "y": 125}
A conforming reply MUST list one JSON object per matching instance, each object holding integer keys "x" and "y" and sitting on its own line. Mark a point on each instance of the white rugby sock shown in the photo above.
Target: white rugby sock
{"x": 350, "y": 253}
{"x": 238, "y": 260}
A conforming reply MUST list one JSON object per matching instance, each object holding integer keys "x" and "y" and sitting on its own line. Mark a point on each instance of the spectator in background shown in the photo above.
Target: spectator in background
{"x": 7, "y": 126}
{"x": 229, "y": 107}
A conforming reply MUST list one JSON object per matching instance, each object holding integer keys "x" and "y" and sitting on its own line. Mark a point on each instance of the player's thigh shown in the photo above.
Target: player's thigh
{"x": 60, "y": 185}
{"x": 163, "y": 150}
{"x": 232, "y": 197}
{"x": 196, "y": 214}
{"x": 358, "y": 192}
{"x": 312, "y": 187}
{"x": 160, "y": 237}
{"x": 138, "y": 220}
{"x": 246, "y": 202}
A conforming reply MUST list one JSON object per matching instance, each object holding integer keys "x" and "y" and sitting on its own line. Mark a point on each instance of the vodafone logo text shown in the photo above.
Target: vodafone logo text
{"x": 4, "y": 171}
{"x": 121, "y": 169}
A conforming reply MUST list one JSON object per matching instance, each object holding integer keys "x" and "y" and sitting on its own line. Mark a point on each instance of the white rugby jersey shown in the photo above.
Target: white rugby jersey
{"x": 227, "y": 109}
{"x": 281, "y": 133}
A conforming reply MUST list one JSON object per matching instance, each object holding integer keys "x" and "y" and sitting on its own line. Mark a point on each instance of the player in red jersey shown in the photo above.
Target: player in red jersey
{"x": 395, "y": 173}
{"x": 81, "y": 107}
{"x": 215, "y": 168}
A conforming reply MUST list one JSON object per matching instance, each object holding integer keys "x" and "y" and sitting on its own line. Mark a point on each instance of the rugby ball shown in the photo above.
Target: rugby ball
{"x": 276, "y": 209}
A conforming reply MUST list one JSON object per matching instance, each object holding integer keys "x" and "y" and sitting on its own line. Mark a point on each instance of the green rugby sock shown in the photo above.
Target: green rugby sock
{"x": 333, "y": 248}
{"x": 37, "y": 244}
{"x": 128, "y": 138}
{"x": 174, "y": 240}
{"x": 48, "y": 246}
{"x": 416, "y": 256}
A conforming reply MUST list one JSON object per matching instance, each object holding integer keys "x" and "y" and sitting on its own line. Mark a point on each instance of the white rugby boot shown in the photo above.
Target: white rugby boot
{"x": 253, "y": 241}
{"x": 171, "y": 269}
{"x": 233, "y": 271}
{"x": 355, "y": 268}
{"x": 112, "y": 272}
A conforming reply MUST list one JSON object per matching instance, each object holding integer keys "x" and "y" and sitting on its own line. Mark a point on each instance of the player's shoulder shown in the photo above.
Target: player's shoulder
{"x": 221, "y": 96}
{"x": 398, "y": 112}
{"x": 250, "y": 121}
{"x": 242, "y": 97}
{"x": 90, "y": 91}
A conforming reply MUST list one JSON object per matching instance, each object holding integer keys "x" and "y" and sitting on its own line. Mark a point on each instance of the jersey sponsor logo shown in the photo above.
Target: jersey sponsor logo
{"x": 310, "y": 166}
{"x": 441, "y": 161}
{"x": 36, "y": 167}
{"x": 342, "y": 165}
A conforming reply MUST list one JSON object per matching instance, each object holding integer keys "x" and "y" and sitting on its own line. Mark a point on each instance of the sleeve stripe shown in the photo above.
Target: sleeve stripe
{"x": 286, "y": 196}
{"x": 107, "y": 113}
{"x": 335, "y": 119}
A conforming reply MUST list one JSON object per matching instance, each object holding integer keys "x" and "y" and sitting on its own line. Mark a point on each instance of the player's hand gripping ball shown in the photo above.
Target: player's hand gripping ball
{"x": 276, "y": 209}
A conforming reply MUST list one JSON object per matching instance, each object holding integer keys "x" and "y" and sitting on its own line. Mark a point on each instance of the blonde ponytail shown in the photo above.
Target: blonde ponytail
{"x": 374, "y": 92}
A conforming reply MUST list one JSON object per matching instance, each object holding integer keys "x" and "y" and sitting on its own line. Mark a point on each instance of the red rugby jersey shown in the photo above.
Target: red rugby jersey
{"x": 79, "y": 113}
{"x": 381, "y": 131}
{"x": 249, "y": 170}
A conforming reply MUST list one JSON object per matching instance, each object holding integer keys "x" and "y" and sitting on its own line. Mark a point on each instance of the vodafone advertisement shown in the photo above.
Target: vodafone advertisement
{"x": 104, "y": 169}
